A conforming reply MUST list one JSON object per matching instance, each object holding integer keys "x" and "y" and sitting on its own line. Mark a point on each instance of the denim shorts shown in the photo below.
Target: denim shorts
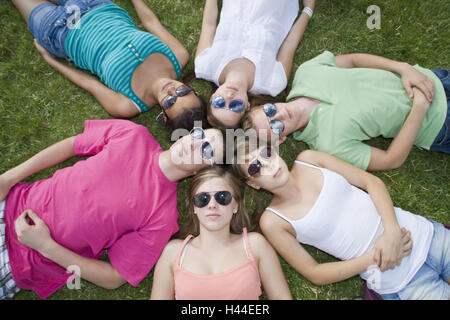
{"x": 429, "y": 282}
{"x": 50, "y": 23}
{"x": 442, "y": 141}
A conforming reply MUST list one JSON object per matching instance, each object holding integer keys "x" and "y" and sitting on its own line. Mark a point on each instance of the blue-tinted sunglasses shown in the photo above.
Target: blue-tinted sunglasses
{"x": 206, "y": 148}
{"x": 235, "y": 105}
{"x": 276, "y": 126}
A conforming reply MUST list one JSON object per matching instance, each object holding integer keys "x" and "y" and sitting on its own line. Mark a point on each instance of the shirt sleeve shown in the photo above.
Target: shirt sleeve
{"x": 135, "y": 253}
{"x": 356, "y": 153}
{"x": 326, "y": 58}
{"x": 98, "y": 133}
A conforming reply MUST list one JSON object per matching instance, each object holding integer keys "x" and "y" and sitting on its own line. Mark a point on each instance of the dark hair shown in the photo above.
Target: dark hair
{"x": 187, "y": 118}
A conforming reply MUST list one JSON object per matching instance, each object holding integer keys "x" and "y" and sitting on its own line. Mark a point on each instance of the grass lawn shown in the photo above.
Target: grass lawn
{"x": 39, "y": 107}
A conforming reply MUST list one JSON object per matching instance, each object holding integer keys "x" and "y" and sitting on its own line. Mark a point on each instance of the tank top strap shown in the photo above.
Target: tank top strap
{"x": 182, "y": 250}
{"x": 278, "y": 214}
{"x": 307, "y": 164}
{"x": 247, "y": 249}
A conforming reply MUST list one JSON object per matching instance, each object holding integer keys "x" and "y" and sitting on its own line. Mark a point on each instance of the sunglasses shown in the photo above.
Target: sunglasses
{"x": 222, "y": 197}
{"x": 276, "y": 126}
{"x": 206, "y": 149}
{"x": 254, "y": 169}
{"x": 170, "y": 99}
{"x": 235, "y": 105}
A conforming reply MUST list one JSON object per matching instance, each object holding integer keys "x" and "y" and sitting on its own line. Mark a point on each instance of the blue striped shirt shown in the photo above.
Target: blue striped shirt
{"x": 106, "y": 42}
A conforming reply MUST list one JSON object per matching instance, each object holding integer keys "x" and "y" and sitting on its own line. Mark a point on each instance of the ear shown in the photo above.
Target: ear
{"x": 252, "y": 184}
{"x": 164, "y": 117}
{"x": 280, "y": 140}
{"x": 248, "y": 106}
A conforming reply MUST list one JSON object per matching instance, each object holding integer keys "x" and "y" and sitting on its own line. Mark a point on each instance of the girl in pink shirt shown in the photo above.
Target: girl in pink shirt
{"x": 122, "y": 198}
{"x": 218, "y": 260}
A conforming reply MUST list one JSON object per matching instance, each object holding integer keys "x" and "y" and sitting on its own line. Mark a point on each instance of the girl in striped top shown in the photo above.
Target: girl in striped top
{"x": 137, "y": 69}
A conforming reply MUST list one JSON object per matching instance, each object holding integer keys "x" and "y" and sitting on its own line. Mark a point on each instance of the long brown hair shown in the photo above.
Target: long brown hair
{"x": 240, "y": 219}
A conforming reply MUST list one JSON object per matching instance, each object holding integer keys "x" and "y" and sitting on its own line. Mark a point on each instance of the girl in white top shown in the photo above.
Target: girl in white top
{"x": 348, "y": 213}
{"x": 250, "y": 50}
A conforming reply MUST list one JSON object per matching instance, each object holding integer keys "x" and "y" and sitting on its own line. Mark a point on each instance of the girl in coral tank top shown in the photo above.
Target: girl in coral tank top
{"x": 218, "y": 259}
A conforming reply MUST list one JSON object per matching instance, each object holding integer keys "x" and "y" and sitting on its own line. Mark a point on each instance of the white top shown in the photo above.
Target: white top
{"x": 255, "y": 30}
{"x": 345, "y": 223}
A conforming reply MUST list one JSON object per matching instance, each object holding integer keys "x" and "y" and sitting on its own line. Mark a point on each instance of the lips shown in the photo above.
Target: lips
{"x": 165, "y": 86}
{"x": 277, "y": 173}
{"x": 233, "y": 88}
{"x": 213, "y": 216}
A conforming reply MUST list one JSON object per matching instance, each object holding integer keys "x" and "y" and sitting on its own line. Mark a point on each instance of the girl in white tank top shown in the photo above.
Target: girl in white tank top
{"x": 347, "y": 212}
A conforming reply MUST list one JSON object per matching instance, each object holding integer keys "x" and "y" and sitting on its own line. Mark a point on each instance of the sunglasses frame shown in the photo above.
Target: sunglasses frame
{"x": 218, "y": 200}
{"x": 229, "y": 106}
{"x": 274, "y": 121}
{"x": 177, "y": 95}
{"x": 202, "y": 146}
{"x": 258, "y": 163}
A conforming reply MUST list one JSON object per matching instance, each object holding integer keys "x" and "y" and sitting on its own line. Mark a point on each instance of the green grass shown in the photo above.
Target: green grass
{"x": 39, "y": 107}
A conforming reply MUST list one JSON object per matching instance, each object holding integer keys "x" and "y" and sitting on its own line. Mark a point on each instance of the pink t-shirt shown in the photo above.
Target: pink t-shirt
{"x": 118, "y": 199}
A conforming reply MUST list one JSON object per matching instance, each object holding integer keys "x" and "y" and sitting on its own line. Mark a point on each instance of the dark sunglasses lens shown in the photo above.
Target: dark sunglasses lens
{"x": 266, "y": 153}
{"x": 207, "y": 151}
{"x": 254, "y": 168}
{"x": 201, "y": 199}
{"x": 168, "y": 102}
{"x": 198, "y": 133}
{"x": 270, "y": 109}
{"x": 237, "y": 105}
{"x": 183, "y": 90}
{"x": 218, "y": 102}
{"x": 223, "y": 197}
{"x": 277, "y": 126}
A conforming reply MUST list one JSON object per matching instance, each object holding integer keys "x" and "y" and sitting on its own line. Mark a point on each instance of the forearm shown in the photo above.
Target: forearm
{"x": 46, "y": 158}
{"x": 145, "y": 14}
{"x": 331, "y": 272}
{"x": 210, "y": 13}
{"x": 78, "y": 77}
{"x": 98, "y": 272}
{"x": 364, "y": 60}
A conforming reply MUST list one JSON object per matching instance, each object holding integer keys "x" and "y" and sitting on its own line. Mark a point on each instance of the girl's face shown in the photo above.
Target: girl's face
{"x": 228, "y": 104}
{"x": 265, "y": 169}
{"x": 175, "y": 97}
{"x": 193, "y": 152}
{"x": 216, "y": 214}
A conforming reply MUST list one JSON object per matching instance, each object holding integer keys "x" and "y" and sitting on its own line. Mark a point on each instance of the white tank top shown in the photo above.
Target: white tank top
{"x": 345, "y": 223}
{"x": 255, "y": 30}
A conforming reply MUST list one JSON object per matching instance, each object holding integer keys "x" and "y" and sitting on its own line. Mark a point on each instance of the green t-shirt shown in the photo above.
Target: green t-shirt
{"x": 359, "y": 104}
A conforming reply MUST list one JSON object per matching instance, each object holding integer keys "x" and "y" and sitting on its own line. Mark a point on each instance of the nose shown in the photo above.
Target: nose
{"x": 229, "y": 94}
{"x": 212, "y": 203}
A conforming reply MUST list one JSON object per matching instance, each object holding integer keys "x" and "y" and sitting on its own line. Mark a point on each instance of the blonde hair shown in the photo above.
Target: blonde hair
{"x": 240, "y": 219}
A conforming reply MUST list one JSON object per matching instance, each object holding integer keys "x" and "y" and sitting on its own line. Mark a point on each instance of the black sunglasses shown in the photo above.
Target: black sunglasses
{"x": 254, "y": 169}
{"x": 170, "y": 99}
{"x": 222, "y": 197}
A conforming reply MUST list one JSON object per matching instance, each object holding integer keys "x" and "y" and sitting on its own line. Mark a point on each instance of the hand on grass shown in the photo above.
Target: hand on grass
{"x": 45, "y": 54}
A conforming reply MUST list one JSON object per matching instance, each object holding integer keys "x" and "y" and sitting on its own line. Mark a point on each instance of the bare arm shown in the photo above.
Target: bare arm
{"x": 209, "y": 25}
{"x": 410, "y": 76}
{"x": 287, "y": 246}
{"x": 163, "y": 287}
{"x": 115, "y": 103}
{"x": 270, "y": 271}
{"x": 289, "y": 46}
{"x": 401, "y": 145}
{"x": 37, "y": 237}
{"x": 151, "y": 22}
{"x": 46, "y": 158}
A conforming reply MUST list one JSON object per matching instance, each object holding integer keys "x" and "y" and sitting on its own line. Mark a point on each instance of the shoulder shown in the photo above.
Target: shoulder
{"x": 170, "y": 252}
{"x": 258, "y": 243}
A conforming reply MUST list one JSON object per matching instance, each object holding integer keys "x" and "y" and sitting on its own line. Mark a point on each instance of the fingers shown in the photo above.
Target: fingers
{"x": 408, "y": 88}
{"x": 377, "y": 257}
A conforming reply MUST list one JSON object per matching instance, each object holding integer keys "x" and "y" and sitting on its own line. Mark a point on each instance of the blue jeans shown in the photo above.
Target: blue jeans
{"x": 442, "y": 141}
{"x": 50, "y": 23}
{"x": 429, "y": 282}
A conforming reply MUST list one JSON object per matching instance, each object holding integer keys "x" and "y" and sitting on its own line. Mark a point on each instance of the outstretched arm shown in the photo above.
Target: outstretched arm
{"x": 410, "y": 76}
{"x": 151, "y": 22}
{"x": 401, "y": 145}
{"x": 287, "y": 50}
{"x": 46, "y": 158}
{"x": 115, "y": 103}
{"x": 37, "y": 236}
{"x": 209, "y": 25}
